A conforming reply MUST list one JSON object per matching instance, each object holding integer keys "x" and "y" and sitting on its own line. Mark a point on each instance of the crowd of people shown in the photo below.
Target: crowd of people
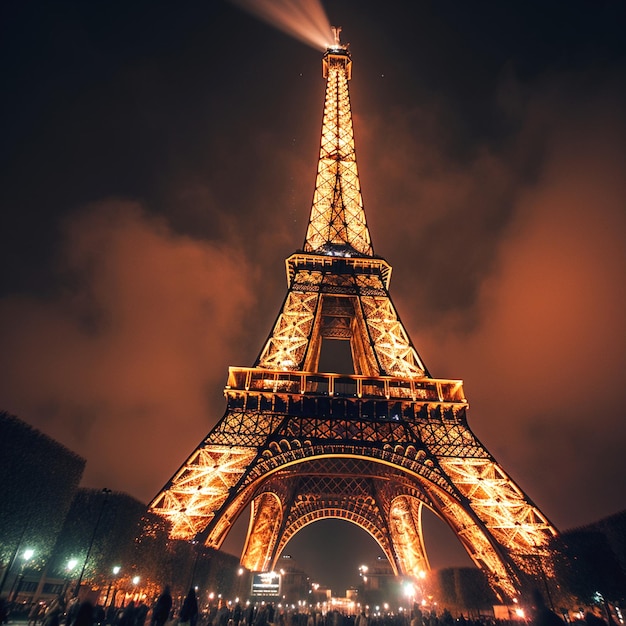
{"x": 163, "y": 613}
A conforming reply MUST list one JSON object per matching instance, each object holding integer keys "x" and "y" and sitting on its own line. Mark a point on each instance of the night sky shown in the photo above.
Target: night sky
{"x": 158, "y": 166}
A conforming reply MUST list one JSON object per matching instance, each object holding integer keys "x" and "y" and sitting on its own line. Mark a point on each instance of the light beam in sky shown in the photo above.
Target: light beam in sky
{"x": 303, "y": 19}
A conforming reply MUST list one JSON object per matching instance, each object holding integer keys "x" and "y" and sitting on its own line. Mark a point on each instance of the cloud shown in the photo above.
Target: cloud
{"x": 436, "y": 209}
{"x": 124, "y": 362}
{"x": 544, "y": 362}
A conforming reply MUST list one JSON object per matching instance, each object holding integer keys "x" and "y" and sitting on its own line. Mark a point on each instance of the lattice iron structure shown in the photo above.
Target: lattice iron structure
{"x": 372, "y": 447}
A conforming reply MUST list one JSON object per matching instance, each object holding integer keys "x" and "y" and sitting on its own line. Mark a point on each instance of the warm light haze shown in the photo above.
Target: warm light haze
{"x": 303, "y": 19}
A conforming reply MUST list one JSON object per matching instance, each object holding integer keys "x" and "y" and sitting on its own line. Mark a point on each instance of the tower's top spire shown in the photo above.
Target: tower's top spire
{"x": 336, "y": 34}
{"x": 337, "y": 225}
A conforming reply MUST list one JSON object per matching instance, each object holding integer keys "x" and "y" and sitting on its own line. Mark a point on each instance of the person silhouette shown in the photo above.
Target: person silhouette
{"x": 189, "y": 610}
{"x": 162, "y": 608}
{"x": 541, "y": 614}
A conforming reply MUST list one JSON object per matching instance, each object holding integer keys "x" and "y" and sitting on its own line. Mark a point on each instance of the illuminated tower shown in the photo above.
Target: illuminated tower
{"x": 372, "y": 446}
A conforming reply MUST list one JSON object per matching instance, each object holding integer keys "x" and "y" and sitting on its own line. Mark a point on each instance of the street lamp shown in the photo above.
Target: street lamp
{"x": 135, "y": 581}
{"x": 116, "y": 571}
{"x": 71, "y": 564}
{"x": 106, "y": 492}
{"x": 26, "y": 556}
{"x": 363, "y": 569}
{"x": 409, "y": 591}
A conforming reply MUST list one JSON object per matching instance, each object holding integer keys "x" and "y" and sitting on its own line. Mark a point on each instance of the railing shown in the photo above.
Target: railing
{"x": 341, "y": 385}
{"x": 358, "y": 265}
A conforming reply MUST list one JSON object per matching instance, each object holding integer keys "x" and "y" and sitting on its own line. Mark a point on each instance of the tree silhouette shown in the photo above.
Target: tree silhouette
{"x": 585, "y": 565}
{"x": 38, "y": 479}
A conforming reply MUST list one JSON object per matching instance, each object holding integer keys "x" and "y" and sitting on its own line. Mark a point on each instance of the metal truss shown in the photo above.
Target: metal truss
{"x": 337, "y": 223}
{"x": 373, "y": 446}
{"x": 396, "y": 355}
{"x": 286, "y": 347}
{"x": 200, "y": 488}
{"x": 345, "y": 299}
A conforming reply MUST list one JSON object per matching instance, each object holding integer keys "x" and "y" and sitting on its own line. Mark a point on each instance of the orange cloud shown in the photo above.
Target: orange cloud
{"x": 124, "y": 364}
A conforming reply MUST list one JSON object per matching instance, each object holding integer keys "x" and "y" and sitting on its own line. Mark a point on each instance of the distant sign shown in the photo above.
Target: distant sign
{"x": 266, "y": 584}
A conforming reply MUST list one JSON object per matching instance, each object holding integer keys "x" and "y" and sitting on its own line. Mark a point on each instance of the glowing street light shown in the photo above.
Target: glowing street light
{"x": 409, "y": 590}
{"x": 116, "y": 570}
{"x": 26, "y": 556}
{"x": 362, "y": 572}
{"x": 135, "y": 580}
{"x": 69, "y": 568}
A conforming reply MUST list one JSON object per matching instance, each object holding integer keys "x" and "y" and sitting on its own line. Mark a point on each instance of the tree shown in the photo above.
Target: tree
{"x": 38, "y": 479}
{"x": 100, "y": 525}
{"x": 462, "y": 589}
{"x": 585, "y": 565}
{"x": 151, "y": 551}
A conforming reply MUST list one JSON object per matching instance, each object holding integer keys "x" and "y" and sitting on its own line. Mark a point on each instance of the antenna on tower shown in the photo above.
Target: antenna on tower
{"x": 336, "y": 35}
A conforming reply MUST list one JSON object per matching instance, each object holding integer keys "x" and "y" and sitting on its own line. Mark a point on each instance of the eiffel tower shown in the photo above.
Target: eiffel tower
{"x": 373, "y": 446}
